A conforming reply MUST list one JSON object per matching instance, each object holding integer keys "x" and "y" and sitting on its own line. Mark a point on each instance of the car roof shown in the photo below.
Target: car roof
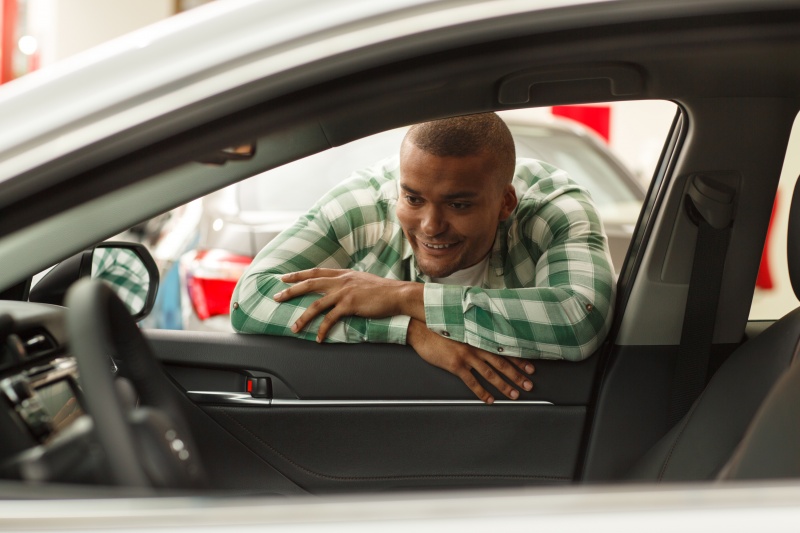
{"x": 222, "y": 46}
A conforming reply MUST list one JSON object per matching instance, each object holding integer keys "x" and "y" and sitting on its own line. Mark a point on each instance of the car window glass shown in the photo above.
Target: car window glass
{"x": 277, "y": 190}
{"x": 590, "y": 166}
{"x": 202, "y": 248}
{"x": 773, "y": 296}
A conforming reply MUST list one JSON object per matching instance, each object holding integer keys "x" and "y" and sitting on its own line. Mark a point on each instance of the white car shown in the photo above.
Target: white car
{"x": 686, "y": 417}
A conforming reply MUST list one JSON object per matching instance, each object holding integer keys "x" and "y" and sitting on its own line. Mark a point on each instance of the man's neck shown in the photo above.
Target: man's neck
{"x": 468, "y": 277}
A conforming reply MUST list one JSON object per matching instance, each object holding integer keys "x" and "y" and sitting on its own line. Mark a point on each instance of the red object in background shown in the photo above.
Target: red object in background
{"x": 764, "y": 279}
{"x": 8, "y": 33}
{"x": 597, "y": 117}
{"x": 210, "y": 278}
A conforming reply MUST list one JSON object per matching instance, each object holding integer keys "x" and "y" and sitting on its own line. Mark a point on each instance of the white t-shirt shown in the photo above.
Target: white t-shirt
{"x": 469, "y": 277}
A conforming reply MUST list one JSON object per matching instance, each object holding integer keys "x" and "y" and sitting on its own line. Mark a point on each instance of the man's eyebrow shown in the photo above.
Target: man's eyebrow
{"x": 465, "y": 195}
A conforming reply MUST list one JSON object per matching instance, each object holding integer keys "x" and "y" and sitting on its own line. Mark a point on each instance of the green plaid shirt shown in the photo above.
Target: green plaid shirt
{"x": 123, "y": 271}
{"x": 548, "y": 291}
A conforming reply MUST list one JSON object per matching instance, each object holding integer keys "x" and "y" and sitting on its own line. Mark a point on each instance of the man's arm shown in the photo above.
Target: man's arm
{"x": 263, "y": 303}
{"x": 466, "y": 362}
{"x": 561, "y": 310}
{"x": 315, "y": 240}
{"x": 563, "y": 307}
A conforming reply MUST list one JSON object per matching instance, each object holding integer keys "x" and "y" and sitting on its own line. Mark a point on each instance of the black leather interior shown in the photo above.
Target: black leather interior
{"x": 329, "y": 449}
{"x": 324, "y": 445}
{"x": 336, "y": 371}
{"x": 745, "y": 423}
{"x": 770, "y": 448}
{"x": 702, "y": 442}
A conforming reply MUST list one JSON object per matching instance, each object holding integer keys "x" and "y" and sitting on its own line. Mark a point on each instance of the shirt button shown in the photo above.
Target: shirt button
{"x": 589, "y": 307}
{"x": 446, "y": 333}
{"x": 236, "y": 305}
{"x": 500, "y": 349}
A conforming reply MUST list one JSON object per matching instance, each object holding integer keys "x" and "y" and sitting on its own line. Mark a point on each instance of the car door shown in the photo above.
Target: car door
{"x": 369, "y": 416}
{"x": 329, "y": 418}
{"x": 333, "y": 418}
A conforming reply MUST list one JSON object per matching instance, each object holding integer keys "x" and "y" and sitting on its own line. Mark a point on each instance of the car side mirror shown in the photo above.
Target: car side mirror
{"x": 128, "y": 268}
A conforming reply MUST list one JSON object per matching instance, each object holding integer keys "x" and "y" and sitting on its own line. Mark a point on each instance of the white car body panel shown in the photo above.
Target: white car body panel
{"x": 732, "y": 509}
{"x": 150, "y": 74}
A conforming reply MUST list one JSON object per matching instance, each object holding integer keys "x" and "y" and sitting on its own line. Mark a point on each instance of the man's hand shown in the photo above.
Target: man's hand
{"x": 351, "y": 293}
{"x": 460, "y": 359}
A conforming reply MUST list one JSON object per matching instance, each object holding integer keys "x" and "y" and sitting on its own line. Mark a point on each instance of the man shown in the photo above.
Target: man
{"x": 476, "y": 260}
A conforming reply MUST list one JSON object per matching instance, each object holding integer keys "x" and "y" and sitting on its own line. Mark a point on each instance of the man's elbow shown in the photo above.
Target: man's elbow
{"x": 582, "y": 350}
{"x": 588, "y": 338}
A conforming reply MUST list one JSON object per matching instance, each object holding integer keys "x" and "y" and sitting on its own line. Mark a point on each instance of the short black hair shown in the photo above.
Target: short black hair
{"x": 467, "y": 135}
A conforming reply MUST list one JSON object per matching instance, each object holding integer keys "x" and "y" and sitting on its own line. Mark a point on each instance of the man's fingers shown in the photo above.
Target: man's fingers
{"x": 510, "y": 369}
{"x": 312, "y": 311}
{"x": 475, "y": 386}
{"x": 328, "y": 322}
{"x": 298, "y": 289}
{"x": 523, "y": 364}
{"x": 319, "y": 285}
{"x": 490, "y": 373}
{"x": 311, "y": 273}
{"x": 336, "y": 312}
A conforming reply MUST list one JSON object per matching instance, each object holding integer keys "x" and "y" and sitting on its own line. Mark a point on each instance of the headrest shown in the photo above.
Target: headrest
{"x": 793, "y": 241}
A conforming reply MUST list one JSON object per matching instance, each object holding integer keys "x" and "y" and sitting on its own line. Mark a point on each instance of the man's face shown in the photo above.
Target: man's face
{"x": 449, "y": 208}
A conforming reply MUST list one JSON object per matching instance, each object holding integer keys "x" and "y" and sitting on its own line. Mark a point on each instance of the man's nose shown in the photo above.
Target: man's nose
{"x": 433, "y": 223}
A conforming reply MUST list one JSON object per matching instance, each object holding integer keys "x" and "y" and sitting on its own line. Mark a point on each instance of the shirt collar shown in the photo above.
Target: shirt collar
{"x": 496, "y": 262}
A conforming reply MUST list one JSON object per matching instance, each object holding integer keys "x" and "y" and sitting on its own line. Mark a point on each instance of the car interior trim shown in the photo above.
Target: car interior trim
{"x": 218, "y": 397}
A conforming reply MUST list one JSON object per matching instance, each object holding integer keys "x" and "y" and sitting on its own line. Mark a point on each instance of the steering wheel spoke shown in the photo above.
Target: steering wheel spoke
{"x": 147, "y": 443}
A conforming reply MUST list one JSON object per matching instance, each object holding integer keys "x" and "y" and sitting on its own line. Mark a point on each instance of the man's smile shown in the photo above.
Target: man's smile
{"x": 433, "y": 246}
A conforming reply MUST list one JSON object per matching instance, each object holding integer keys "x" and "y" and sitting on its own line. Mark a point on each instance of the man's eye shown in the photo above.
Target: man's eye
{"x": 413, "y": 200}
{"x": 459, "y": 205}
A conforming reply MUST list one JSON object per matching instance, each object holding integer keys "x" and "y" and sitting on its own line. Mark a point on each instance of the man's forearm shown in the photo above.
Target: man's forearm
{"x": 353, "y": 306}
{"x": 411, "y": 297}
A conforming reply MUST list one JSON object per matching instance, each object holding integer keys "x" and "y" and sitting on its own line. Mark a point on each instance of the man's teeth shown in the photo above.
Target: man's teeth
{"x": 437, "y": 246}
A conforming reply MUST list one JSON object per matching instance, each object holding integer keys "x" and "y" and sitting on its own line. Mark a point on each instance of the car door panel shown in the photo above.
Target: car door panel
{"x": 356, "y": 371}
{"x": 393, "y": 447}
{"x": 377, "y": 417}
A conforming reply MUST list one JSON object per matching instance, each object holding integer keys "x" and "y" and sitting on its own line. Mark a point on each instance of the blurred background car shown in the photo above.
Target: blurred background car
{"x": 205, "y": 246}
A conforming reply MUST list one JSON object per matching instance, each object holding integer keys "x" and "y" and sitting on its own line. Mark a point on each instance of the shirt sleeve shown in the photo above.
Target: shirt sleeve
{"x": 563, "y": 306}
{"x": 123, "y": 271}
{"x": 331, "y": 235}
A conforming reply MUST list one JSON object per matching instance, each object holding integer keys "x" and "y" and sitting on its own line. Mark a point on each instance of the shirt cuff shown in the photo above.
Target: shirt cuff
{"x": 444, "y": 310}
{"x": 392, "y": 329}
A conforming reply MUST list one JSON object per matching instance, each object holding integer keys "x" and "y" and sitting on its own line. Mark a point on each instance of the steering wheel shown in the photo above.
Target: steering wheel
{"x": 146, "y": 440}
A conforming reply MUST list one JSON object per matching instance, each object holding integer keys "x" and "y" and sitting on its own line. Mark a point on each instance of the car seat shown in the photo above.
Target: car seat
{"x": 746, "y": 423}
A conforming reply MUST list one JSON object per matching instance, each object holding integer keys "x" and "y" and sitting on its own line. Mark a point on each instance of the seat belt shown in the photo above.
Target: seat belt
{"x": 709, "y": 205}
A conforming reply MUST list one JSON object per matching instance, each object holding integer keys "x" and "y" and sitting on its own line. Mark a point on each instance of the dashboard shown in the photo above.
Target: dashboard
{"x": 45, "y": 433}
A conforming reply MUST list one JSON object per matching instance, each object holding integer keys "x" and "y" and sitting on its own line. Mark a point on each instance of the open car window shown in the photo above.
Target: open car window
{"x": 203, "y": 247}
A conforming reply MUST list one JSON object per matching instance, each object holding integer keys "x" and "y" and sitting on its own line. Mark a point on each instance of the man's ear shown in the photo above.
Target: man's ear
{"x": 509, "y": 202}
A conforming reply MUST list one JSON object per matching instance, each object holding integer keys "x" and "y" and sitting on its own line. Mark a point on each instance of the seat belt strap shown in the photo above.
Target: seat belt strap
{"x": 705, "y": 283}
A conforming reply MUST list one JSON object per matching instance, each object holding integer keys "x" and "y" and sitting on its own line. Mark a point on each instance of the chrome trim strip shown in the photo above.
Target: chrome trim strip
{"x": 301, "y": 403}
{"x": 226, "y": 397}
{"x": 246, "y": 399}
